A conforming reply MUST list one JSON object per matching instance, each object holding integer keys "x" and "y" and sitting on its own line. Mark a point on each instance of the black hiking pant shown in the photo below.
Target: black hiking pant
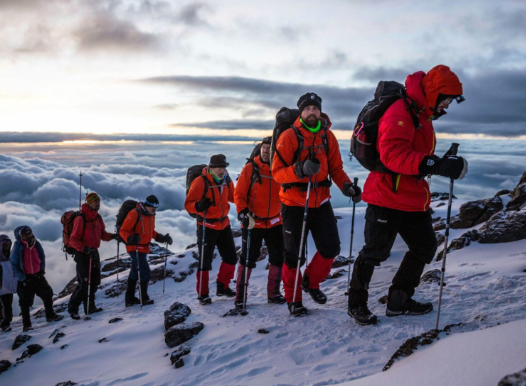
{"x": 223, "y": 240}
{"x": 6, "y": 310}
{"x": 80, "y": 295}
{"x": 382, "y": 225}
{"x": 320, "y": 222}
{"x": 273, "y": 240}
{"x": 27, "y": 289}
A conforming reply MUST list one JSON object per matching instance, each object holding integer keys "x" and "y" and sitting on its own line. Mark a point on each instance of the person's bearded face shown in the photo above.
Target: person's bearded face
{"x": 311, "y": 115}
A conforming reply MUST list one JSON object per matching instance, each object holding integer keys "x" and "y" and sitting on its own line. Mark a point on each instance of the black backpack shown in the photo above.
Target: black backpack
{"x": 126, "y": 207}
{"x": 192, "y": 173}
{"x": 255, "y": 168}
{"x": 285, "y": 119}
{"x": 365, "y": 134}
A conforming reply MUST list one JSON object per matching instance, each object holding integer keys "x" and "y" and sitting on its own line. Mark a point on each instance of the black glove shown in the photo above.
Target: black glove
{"x": 91, "y": 252}
{"x": 352, "y": 191}
{"x": 241, "y": 215}
{"x": 203, "y": 205}
{"x": 307, "y": 168}
{"x": 113, "y": 236}
{"x": 451, "y": 166}
{"x": 164, "y": 238}
{"x": 133, "y": 239}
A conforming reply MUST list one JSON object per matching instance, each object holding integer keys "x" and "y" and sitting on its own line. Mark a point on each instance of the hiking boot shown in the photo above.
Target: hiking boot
{"x": 131, "y": 302}
{"x": 278, "y": 299}
{"x": 27, "y": 328}
{"x": 297, "y": 309}
{"x": 6, "y": 328}
{"x": 204, "y": 300}
{"x": 238, "y": 304}
{"x": 55, "y": 318}
{"x": 315, "y": 293}
{"x": 147, "y": 302}
{"x": 94, "y": 309}
{"x": 400, "y": 303}
{"x": 74, "y": 315}
{"x": 362, "y": 315}
{"x": 224, "y": 291}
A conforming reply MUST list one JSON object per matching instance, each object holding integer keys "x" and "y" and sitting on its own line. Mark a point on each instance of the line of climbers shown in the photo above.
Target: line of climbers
{"x": 282, "y": 195}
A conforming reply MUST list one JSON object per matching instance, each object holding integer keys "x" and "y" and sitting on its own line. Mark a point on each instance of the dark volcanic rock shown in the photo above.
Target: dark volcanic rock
{"x": 69, "y": 288}
{"x": 182, "y": 333}
{"x": 103, "y": 340}
{"x": 4, "y": 365}
{"x": 383, "y": 299}
{"x": 63, "y": 346}
{"x": 115, "y": 320}
{"x": 461, "y": 242}
{"x": 263, "y": 253}
{"x": 176, "y": 314}
{"x": 435, "y": 196}
{"x": 58, "y": 336}
{"x": 116, "y": 266}
{"x": 263, "y": 331}
{"x": 67, "y": 383}
{"x": 504, "y": 227}
{"x": 236, "y": 232}
{"x": 32, "y": 349}
{"x": 439, "y": 225}
{"x": 57, "y": 307}
{"x": 440, "y": 204}
{"x": 117, "y": 289}
{"x": 337, "y": 274}
{"x": 341, "y": 261}
{"x": 440, "y": 238}
{"x": 503, "y": 192}
{"x": 20, "y": 340}
{"x": 182, "y": 275}
{"x": 177, "y": 355}
{"x": 515, "y": 379}
{"x": 518, "y": 195}
{"x": 476, "y": 212}
{"x": 432, "y": 276}
{"x": 158, "y": 274}
{"x": 410, "y": 345}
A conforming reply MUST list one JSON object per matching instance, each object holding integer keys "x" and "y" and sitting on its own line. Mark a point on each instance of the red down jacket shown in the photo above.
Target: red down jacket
{"x": 402, "y": 148}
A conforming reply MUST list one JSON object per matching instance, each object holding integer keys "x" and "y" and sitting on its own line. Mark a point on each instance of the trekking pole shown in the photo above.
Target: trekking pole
{"x": 165, "y": 260}
{"x": 306, "y": 251}
{"x": 352, "y": 236}
{"x": 80, "y": 189}
{"x": 202, "y": 255}
{"x": 246, "y": 272}
{"x": 138, "y": 273}
{"x": 452, "y": 151}
{"x": 118, "y": 263}
{"x": 89, "y": 289}
{"x": 302, "y": 240}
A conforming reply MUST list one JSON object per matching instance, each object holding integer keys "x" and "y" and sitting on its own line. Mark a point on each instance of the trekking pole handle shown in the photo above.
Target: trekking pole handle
{"x": 355, "y": 183}
{"x": 454, "y": 148}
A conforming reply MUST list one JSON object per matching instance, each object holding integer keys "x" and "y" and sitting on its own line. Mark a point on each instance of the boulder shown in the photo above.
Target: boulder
{"x": 31, "y": 350}
{"x": 432, "y": 276}
{"x": 515, "y": 379}
{"x": 158, "y": 274}
{"x": 440, "y": 238}
{"x": 181, "y": 333}
{"x": 115, "y": 320}
{"x": 67, "y": 383}
{"x": 503, "y": 192}
{"x": 176, "y": 314}
{"x": 518, "y": 195}
{"x": 177, "y": 355}
{"x": 476, "y": 212}
{"x": 58, "y": 336}
{"x": 20, "y": 340}
{"x": 4, "y": 365}
{"x": 461, "y": 242}
{"x": 504, "y": 227}
{"x": 341, "y": 261}
{"x": 58, "y": 308}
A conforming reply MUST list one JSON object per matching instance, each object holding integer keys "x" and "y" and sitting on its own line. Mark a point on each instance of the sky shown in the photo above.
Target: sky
{"x": 158, "y": 69}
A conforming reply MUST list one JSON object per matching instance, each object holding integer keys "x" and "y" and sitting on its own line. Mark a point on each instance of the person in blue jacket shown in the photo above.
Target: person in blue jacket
{"x": 29, "y": 262}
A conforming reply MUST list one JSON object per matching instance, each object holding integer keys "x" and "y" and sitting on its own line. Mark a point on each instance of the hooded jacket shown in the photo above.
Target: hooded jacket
{"x": 263, "y": 198}
{"x": 139, "y": 221}
{"x": 220, "y": 194}
{"x": 17, "y": 256}
{"x": 88, "y": 234}
{"x": 402, "y": 147}
{"x": 6, "y": 275}
{"x": 331, "y": 164}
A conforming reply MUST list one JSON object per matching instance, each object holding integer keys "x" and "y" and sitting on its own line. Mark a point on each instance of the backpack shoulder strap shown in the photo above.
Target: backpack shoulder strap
{"x": 413, "y": 110}
{"x": 139, "y": 215}
{"x": 299, "y": 136}
{"x": 255, "y": 176}
{"x": 205, "y": 191}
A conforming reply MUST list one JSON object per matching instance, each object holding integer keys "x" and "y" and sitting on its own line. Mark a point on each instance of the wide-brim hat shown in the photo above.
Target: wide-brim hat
{"x": 218, "y": 161}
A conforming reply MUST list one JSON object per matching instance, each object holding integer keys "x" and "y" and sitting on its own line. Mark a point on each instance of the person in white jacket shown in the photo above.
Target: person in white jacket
{"x": 8, "y": 284}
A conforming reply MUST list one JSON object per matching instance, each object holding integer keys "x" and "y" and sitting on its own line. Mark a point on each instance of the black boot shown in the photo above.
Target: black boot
{"x": 278, "y": 299}
{"x": 362, "y": 315}
{"x": 297, "y": 309}
{"x": 400, "y": 303}
{"x": 315, "y": 293}
{"x": 204, "y": 300}
{"x": 222, "y": 291}
{"x": 146, "y": 301}
{"x": 130, "y": 298}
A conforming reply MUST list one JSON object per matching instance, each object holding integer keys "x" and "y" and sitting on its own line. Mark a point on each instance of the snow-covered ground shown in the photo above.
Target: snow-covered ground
{"x": 486, "y": 286}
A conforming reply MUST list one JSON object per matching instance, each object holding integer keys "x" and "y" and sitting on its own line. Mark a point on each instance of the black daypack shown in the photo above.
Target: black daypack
{"x": 365, "y": 133}
{"x": 126, "y": 207}
{"x": 285, "y": 119}
{"x": 255, "y": 168}
{"x": 192, "y": 173}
